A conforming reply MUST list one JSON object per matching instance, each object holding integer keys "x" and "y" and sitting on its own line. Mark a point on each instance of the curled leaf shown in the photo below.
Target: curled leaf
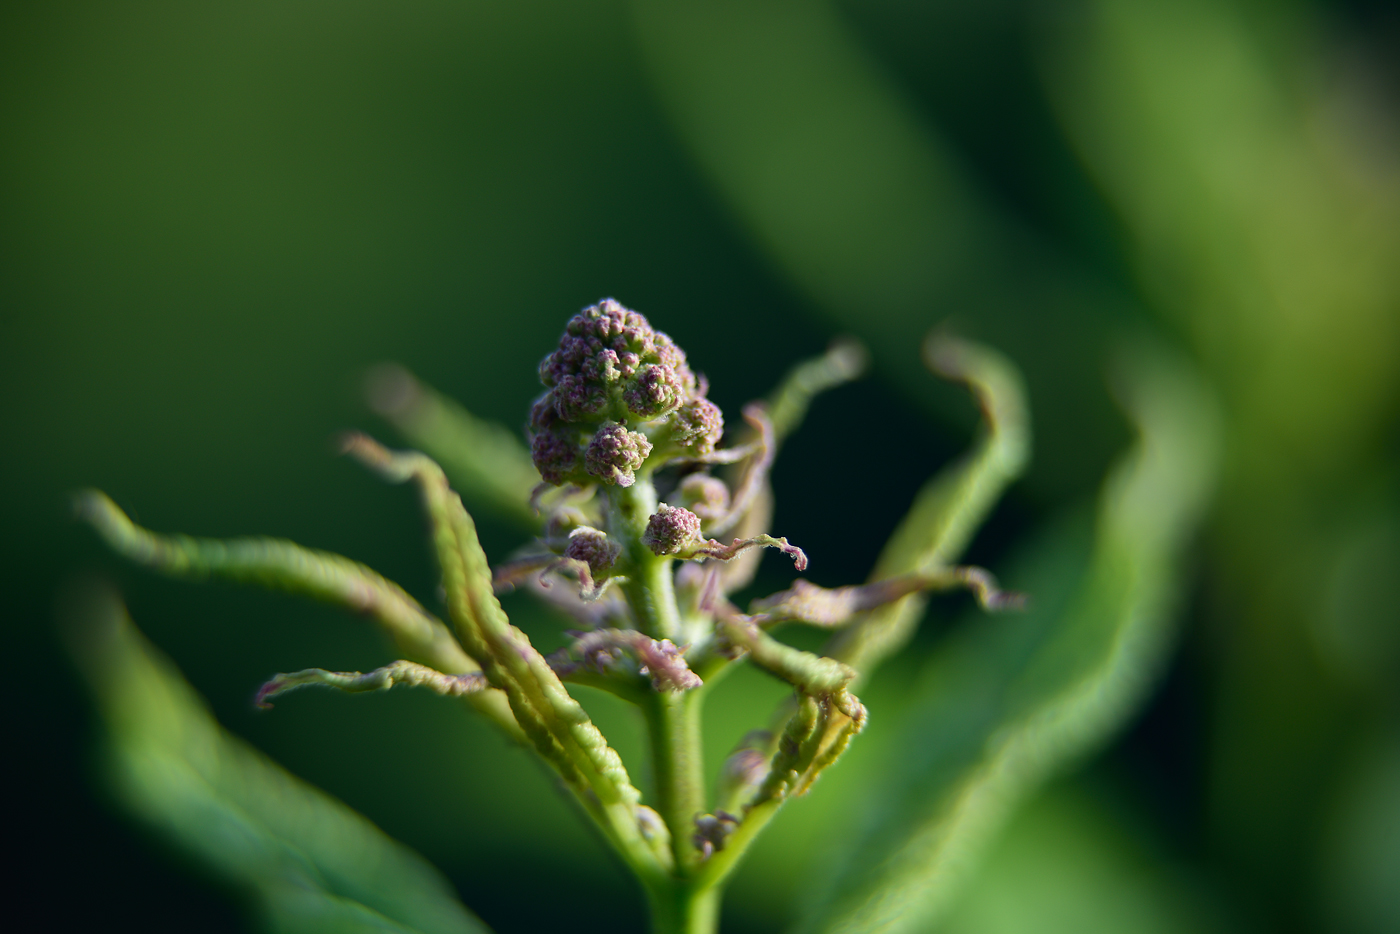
{"x": 951, "y": 506}
{"x": 558, "y": 727}
{"x": 805, "y": 602}
{"x": 278, "y": 564}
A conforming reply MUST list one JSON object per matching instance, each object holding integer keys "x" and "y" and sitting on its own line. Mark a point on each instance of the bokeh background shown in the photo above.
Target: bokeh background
{"x": 214, "y": 218}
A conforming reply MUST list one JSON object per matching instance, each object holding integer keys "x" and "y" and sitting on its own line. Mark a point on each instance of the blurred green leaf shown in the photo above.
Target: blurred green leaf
{"x": 1255, "y": 169}
{"x": 486, "y": 462}
{"x": 1015, "y": 699}
{"x": 1361, "y": 865}
{"x": 818, "y": 153}
{"x": 307, "y": 862}
{"x": 1066, "y": 866}
{"x": 850, "y": 188}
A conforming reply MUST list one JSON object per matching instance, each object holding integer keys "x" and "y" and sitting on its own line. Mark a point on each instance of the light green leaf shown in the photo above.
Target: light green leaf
{"x": 1017, "y": 698}
{"x": 1067, "y": 865}
{"x": 843, "y": 361}
{"x": 307, "y": 862}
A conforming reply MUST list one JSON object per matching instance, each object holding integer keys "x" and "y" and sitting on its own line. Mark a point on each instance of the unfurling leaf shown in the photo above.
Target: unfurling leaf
{"x": 555, "y": 723}
{"x": 381, "y": 679}
{"x": 278, "y": 564}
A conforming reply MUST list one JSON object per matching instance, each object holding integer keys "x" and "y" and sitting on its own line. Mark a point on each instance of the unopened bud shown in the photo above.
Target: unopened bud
{"x": 555, "y": 454}
{"x": 671, "y": 529}
{"x": 594, "y": 549}
{"x": 745, "y": 769}
{"x": 615, "y": 454}
{"x": 697, "y": 427}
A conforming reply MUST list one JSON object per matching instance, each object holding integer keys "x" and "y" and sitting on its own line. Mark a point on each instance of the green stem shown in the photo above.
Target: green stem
{"x": 673, "y": 727}
{"x": 648, "y": 588}
{"x": 681, "y": 909}
{"x": 673, "y": 720}
{"x": 716, "y": 871}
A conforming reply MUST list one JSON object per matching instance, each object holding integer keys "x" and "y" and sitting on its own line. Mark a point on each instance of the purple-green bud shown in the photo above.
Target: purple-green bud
{"x": 654, "y": 392}
{"x": 611, "y": 372}
{"x": 594, "y": 549}
{"x": 711, "y": 832}
{"x": 555, "y": 454}
{"x": 697, "y": 426}
{"x": 745, "y": 769}
{"x": 615, "y": 454}
{"x": 671, "y": 529}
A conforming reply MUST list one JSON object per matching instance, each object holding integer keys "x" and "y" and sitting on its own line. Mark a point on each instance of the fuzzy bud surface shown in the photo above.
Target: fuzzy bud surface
{"x": 697, "y": 426}
{"x": 615, "y": 454}
{"x": 594, "y": 549}
{"x": 612, "y": 364}
{"x": 670, "y": 530}
{"x": 616, "y": 388}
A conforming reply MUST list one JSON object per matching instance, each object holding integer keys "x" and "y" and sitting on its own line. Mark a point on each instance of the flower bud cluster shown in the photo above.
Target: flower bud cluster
{"x": 616, "y": 390}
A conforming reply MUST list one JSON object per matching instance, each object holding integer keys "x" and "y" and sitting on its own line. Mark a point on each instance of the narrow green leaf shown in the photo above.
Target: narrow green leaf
{"x": 951, "y": 506}
{"x": 555, "y": 723}
{"x": 278, "y": 564}
{"x": 1015, "y": 700}
{"x": 307, "y": 862}
{"x": 380, "y": 679}
{"x": 844, "y": 361}
{"x": 787, "y": 405}
{"x": 486, "y": 462}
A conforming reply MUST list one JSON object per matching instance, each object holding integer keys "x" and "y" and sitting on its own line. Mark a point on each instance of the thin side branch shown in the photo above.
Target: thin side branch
{"x": 381, "y": 679}
{"x": 807, "y": 603}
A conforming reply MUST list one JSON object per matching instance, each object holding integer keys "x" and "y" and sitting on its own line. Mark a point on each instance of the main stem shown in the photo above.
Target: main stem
{"x": 648, "y": 587}
{"x": 673, "y": 728}
{"x": 672, "y": 717}
{"x": 681, "y": 910}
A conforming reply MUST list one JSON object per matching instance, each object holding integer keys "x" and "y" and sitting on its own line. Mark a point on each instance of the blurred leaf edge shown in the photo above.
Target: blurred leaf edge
{"x": 302, "y": 860}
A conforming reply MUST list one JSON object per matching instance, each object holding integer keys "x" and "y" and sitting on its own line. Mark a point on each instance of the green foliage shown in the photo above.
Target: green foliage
{"x": 1011, "y": 703}
{"x": 306, "y": 862}
{"x": 952, "y": 505}
{"x": 486, "y": 461}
